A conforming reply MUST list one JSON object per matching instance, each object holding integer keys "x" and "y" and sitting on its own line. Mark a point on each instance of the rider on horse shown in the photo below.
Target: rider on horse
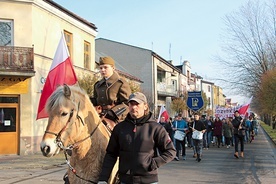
{"x": 111, "y": 93}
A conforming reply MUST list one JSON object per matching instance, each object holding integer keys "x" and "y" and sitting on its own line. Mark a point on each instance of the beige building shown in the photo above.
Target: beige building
{"x": 30, "y": 32}
{"x": 218, "y": 96}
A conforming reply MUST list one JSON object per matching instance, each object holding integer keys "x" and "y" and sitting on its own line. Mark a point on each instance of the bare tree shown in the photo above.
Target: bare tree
{"x": 250, "y": 46}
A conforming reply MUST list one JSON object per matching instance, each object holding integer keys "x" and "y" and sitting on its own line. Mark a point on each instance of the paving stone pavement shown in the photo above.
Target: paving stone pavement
{"x": 218, "y": 165}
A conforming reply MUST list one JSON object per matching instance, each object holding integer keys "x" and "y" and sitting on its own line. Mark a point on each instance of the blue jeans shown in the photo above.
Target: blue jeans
{"x": 247, "y": 135}
{"x": 209, "y": 137}
{"x": 205, "y": 140}
{"x": 180, "y": 145}
{"x": 223, "y": 140}
{"x": 256, "y": 130}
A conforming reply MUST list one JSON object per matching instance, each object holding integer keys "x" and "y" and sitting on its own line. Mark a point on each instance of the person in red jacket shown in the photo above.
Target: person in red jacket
{"x": 141, "y": 144}
{"x": 218, "y": 130}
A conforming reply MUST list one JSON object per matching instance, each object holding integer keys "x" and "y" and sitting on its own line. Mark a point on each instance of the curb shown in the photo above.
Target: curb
{"x": 268, "y": 136}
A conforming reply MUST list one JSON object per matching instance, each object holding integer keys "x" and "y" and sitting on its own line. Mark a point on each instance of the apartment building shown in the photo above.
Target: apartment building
{"x": 30, "y": 32}
{"x": 219, "y": 97}
{"x": 207, "y": 88}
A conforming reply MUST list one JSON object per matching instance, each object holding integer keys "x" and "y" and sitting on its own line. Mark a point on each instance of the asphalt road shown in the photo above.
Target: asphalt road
{"x": 217, "y": 166}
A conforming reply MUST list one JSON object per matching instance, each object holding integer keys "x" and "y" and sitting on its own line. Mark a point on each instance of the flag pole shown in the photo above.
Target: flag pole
{"x": 160, "y": 112}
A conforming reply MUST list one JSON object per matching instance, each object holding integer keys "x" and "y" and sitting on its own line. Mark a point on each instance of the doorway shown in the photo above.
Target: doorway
{"x": 9, "y": 125}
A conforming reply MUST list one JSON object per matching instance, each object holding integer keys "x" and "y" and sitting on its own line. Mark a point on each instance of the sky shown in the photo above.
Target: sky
{"x": 176, "y": 30}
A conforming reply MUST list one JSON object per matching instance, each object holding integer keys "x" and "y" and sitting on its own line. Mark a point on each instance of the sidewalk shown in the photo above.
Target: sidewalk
{"x": 32, "y": 169}
{"x": 30, "y": 161}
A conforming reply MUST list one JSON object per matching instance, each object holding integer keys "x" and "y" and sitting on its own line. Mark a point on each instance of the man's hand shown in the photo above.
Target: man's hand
{"x": 98, "y": 109}
{"x": 111, "y": 115}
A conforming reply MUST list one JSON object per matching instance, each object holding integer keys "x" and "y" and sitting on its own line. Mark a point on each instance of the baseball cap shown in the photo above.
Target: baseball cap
{"x": 138, "y": 97}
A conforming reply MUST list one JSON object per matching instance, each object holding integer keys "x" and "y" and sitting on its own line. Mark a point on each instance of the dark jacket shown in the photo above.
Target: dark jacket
{"x": 227, "y": 129}
{"x": 209, "y": 125}
{"x": 236, "y": 122}
{"x": 168, "y": 127}
{"x": 135, "y": 142}
{"x": 112, "y": 94}
{"x": 198, "y": 125}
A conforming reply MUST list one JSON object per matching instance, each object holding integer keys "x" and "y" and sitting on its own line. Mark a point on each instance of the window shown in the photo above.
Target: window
{"x": 174, "y": 84}
{"x": 69, "y": 42}
{"x": 87, "y": 62}
{"x": 7, "y": 119}
{"x": 160, "y": 76}
{"x": 4, "y": 99}
{"x": 209, "y": 88}
{"x": 6, "y": 32}
{"x": 188, "y": 76}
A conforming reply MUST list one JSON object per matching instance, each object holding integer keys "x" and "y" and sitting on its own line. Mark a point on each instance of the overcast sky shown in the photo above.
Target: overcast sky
{"x": 176, "y": 30}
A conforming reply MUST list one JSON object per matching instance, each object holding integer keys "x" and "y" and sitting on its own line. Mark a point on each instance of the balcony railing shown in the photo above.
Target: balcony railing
{"x": 16, "y": 61}
{"x": 167, "y": 90}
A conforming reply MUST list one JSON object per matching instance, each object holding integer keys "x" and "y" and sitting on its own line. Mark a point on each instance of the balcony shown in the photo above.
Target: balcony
{"x": 166, "y": 90}
{"x": 16, "y": 61}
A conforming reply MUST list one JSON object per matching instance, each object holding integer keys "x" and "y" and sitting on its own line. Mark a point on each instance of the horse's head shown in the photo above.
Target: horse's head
{"x": 65, "y": 123}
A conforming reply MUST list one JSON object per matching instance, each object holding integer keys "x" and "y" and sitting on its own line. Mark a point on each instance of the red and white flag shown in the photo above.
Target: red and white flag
{"x": 244, "y": 108}
{"x": 61, "y": 72}
{"x": 163, "y": 113}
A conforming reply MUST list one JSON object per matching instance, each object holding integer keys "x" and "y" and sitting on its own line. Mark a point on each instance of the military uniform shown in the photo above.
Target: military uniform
{"x": 112, "y": 94}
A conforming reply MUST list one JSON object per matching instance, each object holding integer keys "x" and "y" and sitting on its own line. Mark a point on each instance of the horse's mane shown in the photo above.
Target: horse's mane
{"x": 58, "y": 98}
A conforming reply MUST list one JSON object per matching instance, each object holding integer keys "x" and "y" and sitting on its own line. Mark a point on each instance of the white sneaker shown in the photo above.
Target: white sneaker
{"x": 176, "y": 158}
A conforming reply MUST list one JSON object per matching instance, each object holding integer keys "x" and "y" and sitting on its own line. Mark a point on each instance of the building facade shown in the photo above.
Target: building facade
{"x": 207, "y": 88}
{"x": 31, "y": 32}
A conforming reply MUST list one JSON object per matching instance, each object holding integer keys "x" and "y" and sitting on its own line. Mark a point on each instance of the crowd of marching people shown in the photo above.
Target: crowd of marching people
{"x": 217, "y": 132}
{"x": 133, "y": 130}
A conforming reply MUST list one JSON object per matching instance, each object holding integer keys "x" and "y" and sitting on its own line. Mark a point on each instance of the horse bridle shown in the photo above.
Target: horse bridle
{"x": 60, "y": 144}
{"x": 58, "y": 135}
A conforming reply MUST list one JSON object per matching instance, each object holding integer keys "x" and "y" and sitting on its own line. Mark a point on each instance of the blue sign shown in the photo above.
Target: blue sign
{"x": 195, "y": 101}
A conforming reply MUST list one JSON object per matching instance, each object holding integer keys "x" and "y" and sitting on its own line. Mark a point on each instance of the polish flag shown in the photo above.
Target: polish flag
{"x": 61, "y": 72}
{"x": 244, "y": 108}
{"x": 163, "y": 113}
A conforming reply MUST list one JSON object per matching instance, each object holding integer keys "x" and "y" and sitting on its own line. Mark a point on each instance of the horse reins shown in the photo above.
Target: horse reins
{"x": 74, "y": 145}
